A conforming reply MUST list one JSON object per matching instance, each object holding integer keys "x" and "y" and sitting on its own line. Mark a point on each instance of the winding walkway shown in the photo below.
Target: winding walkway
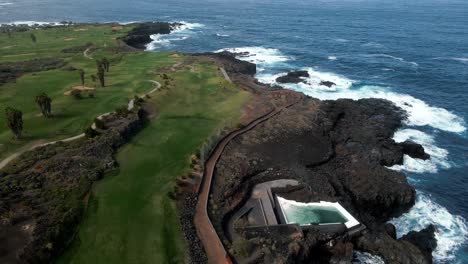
{"x": 212, "y": 244}
{"x": 85, "y": 53}
{"x": 131, "y": 105}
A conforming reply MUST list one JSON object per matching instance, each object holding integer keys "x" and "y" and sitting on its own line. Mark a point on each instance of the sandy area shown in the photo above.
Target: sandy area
{"x": 69, "y": 39}
{"x": 81, "y": 29}
{"x": 79, "y": 87}
{"x": 117, "y": 28}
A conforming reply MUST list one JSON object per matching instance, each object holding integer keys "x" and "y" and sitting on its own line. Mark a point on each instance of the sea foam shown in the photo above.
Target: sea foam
{"x": 439, "y": 156}
{"x": 360, "y": 257}
{"x": 181, "y": 32}
{"x": 452, "y": 230}
{"x": 259, "y": 55}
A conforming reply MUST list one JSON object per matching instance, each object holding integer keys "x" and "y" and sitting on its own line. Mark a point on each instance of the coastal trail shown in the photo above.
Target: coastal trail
{"x": 212, "y": 244}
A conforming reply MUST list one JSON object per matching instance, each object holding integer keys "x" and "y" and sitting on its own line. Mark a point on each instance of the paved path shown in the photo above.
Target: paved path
{"x": 213, "y": 246}
{"x": 226, "y": 76}
{"x": 13, "y": 156}
{"x": 85, "y": 53}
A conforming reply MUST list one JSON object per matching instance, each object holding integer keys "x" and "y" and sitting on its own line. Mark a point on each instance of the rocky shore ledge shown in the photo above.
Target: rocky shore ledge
{"x": 340, "y": 151}
{"x": 140, "y": 35}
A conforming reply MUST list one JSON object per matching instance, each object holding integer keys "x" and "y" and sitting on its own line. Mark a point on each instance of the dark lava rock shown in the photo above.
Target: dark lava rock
{"x": 391, "y": 230}
{"x": 327, "y": 83}
{"x": 231, "y": 64}
{"x": 425, "y": 240}
{"x": 139, "y": 36}
{"x": 293, "y": 77}
{"x": 339, "y": 150}
{"x": 414, "y": 150}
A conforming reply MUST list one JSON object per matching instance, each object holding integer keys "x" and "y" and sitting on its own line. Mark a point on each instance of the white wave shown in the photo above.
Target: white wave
{"x": 33, "y": 23}
{"x": 178, "y": 33}
{"x": 258, "y": 55}
{"x": 372, "y": 45}
{"x": 360, "y": 257}
{"x": 461, "y": 59}
{"x": 419, "y": 112}
{"x": 6, "y": 3}
{"x": 222, "y": 35}
{"x": 452, "y": 230}
{"x": 439, "y": 156}
{"x": 332, "y": 57}
{"x": 391, "y": 57}
{"x": 341, "y": 40}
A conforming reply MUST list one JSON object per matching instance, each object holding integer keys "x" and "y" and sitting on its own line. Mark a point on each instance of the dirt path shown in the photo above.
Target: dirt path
{"x": 212, "y": 244}
{"x": 13, "y": 156}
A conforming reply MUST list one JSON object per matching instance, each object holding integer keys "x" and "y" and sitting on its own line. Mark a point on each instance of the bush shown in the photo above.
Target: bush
{"x": 241, "y": 247}
{"x": 99, "y": 123}
{"x": 90, "y": 133}
{"x": 122, "y": 111}
{"x": 76, "y": 94}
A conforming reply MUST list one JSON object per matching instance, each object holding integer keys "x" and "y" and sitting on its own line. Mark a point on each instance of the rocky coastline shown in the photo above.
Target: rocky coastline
{"x": 140, "y": 35}
{"x": 340, "y": 151}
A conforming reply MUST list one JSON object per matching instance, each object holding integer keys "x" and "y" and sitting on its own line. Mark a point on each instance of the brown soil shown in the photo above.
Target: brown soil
{"x": 117, "y": 28}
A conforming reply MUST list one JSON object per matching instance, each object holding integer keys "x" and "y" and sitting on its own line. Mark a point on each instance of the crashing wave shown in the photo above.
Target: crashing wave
{"x": 452, "y": 230}
{"x": 180, "y": 32}
{"x": 439, "y": 156}
{"x": 258, "y": 55}
{"x": 360, "y": 257}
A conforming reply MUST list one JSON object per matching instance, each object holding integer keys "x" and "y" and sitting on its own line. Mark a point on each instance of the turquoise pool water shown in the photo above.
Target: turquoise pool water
{"x": 306, "y": 214}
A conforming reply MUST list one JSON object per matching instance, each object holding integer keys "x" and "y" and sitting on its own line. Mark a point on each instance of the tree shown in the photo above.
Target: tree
{"x": 100, "y": 72}
{"x": 94, "y": 79}
{"x": 106, "y": 64}
{"x": 101, "y": 78}
{"x": 82, "y": 77}
{"x": 44, "y": 103}
{"x": 33, "y": 38}
{"x": 14, "y": 120}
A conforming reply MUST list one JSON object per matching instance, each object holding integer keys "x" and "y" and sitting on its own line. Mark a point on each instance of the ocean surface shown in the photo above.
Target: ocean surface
{"x": 414, "y": 53}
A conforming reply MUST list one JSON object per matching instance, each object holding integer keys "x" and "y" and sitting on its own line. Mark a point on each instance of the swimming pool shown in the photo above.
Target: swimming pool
{"x": 315, "y": 213}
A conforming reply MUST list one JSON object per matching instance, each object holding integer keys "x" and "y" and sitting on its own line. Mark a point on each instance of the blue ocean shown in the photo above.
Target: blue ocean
{"x": 411, "y": 52}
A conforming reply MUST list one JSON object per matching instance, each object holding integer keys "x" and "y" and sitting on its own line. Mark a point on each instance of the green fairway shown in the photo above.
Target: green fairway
{"x": 130, "y": 217}
{"x": 129, "y": 75}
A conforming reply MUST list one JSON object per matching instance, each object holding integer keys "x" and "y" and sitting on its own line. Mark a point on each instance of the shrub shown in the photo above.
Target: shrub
{"x": 76, "y": 94}
{"x": 122, "y": 111}
{"x": 99, "y": 123}
{"x": 90, "y": 133}
{"x": 241, "y": 247}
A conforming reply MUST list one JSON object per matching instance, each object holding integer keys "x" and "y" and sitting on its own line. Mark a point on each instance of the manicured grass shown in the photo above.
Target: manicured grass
{"x": 130, "y": 217}
{"x": 128, "y": 76}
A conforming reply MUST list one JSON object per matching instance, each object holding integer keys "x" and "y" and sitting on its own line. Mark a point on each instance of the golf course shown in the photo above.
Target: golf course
{"x": 129, "y": 216}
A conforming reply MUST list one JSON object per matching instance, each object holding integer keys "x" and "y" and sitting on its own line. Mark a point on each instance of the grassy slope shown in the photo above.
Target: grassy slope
{"x": 128, "y": 76}
{"x": 131, "y": 219}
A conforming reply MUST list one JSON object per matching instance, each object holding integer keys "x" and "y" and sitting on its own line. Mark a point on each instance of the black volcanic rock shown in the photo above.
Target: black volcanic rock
{"x": 231, "y": 64}
{"x": 339, "y": 151}
{"x": 327, "y": 83}
{"x": 139, "y": 36}
{"x": 425, "y": 240}
{"x": 414, "y": 150}
{"x": 293, "y": 77}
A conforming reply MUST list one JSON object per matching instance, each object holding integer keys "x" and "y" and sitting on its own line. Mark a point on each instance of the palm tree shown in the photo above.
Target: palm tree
{"x": 82, "y": 77}
{"x": 44, "y": 103}
{"x": 14, "y": 120}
